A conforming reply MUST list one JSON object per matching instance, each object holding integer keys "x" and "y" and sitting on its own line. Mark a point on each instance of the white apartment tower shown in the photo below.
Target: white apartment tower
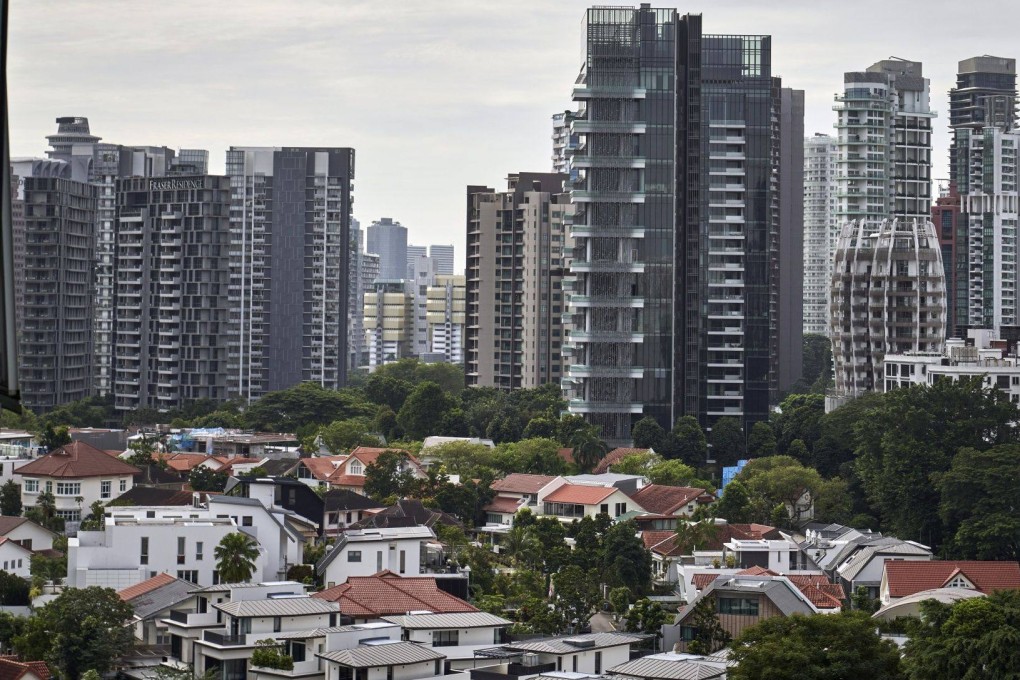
{"x": 820, "y": 229}
{"x": 446, "y": 317}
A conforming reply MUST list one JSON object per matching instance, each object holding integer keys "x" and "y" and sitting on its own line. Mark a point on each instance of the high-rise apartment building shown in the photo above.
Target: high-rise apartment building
{"x": 789, "y": 266}
{"x": 55, "y": 343}
{"x": 446, "y": 318}
{"x": 289, "y": 261}
{"x": 564, "y": 141}
{"x": 388, "y": 240}
{"x": 517, "y": 247}
{"x": 443, "y": 255}
{"x": 171, "y": 309}
{"x": 883, "y": 168}
{"x": 18, "y": 246}
{"x": 947, "y": 218}
{"x": 888, "y": 296}
{"x": 413, "y": 253}
{"x": 367, "y": 270}
{"x": 389, "y": 322}
{"x": 421, "y": 275}
{"x": 677, "y": 198}
{"x": 820, "y": 229}
{"x": 985, "y": 96}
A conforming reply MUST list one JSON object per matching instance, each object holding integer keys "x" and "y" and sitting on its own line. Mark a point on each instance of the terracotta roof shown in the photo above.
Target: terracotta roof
{"x": 817, "y": 588}
{"x": 664, "y": 499}
{"x": 145, "y": 586}
{"x": 503, "y": 504}
{"x": 77, "y": 460}
{"x": 701, "y": 581}
{"x": 614, "y": 457}
{"x": 369, "y": 454}
{"x": 387, "y": 594}
{"x": 185, "y": 462}
{"x": 906, "y": 577}
{"x": 740, "y": 532}
{"x": 12, "y": 669}
{"x": 580, "y": 493}
{"x": 322, "y": 467}
{"x": 112, "y": 452}
{"x": 518, "y": 482}
{"x": 8, "y": 524}
{"x": 661, "y": 542}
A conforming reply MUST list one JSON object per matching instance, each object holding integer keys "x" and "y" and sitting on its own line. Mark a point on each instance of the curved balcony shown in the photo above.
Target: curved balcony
{"x": 585, "y": 196}
{"x": 607, "y": 161}
{"x": 588, "y": 231}
{"x": 583, "y": 266}
{"x": 606, "y": 336}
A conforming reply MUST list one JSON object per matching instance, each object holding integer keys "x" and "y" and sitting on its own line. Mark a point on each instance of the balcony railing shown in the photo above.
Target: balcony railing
{"x": 224, "y": 639}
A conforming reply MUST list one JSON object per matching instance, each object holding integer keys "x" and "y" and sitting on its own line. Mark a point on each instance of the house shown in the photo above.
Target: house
{"x": 745, "y": 599}
{"x": 363, "y": 552}
{"x": 780, "y": 555}
{"x": 345, "y": 508}
{"x": 316, "y": 471}
{"x": 282, "y": 493}
{"x": 155, "y": 497}
{"x": 77, "y": 475}
{"x": 15, "y": 558}
{"x": 671, "y": 501}
{"x": 590, "y": 654}
{"x": 388, "y": 659}
{"x": 863, "y": 568}
{"x": 910, "y": 605}
{"x": 27, "y": 533}
{"x": 518, "y": 485}
{"x": 905, "y": 578}
{"x": 567, "y": 502}
{"x": 407, "y": 512}
{"x": 615, "y": 456}
{"x": 674, "y": 666}
{"x": 304, "y": 646}
{"x": 459, "y": 635}
{"x": 280, "y": 533}
{"x": 369, "y": 598}
{"x": 12, "y": 669}
{"x": 152, "y": 600}
{"x": 350, "y": 473}
{"x": 629, "y": 484}
{"x": 502, "y": 510}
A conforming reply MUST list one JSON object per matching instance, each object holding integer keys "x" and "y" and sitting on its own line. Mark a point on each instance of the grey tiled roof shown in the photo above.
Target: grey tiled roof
{"x": 671, "y": 666}
{"x": 282, "y": 606}
{"x": 562, "y": 644}
{"x": 453, "y": 620}
{"x": 161, "y": 598}
{"x": 388, "y": 654}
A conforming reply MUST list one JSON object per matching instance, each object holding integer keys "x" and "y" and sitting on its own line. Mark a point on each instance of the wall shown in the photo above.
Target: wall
{"x": 340, "y": 569}
{"x": 90, "y": 491}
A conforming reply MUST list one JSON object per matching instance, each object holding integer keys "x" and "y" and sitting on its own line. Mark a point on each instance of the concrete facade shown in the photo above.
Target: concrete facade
{"x": 820, "y": 229}
{"x": 388, "y": 240}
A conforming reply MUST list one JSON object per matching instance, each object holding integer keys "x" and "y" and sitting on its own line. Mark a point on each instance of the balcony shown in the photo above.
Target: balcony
{"x": 608, "y": 92}
{"x": 588, "y": 371}
{"x": 224, "y": 639}
{"x": 607, "y": 161}
{"x": 584, "y": 196}
{"x": 605, "y": 301}
{"x": 512, "y": 670}
{"x": 606, "y": 336}
{"x": 614, "y": 231}
{"x": 586, "y": 406}
{"x": 607, "y": 266}
{"x": 192, "y": 618}
{"x": 612, "y": 126}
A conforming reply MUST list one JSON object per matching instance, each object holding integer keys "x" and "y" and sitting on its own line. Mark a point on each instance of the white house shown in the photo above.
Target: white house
{"x": 368, "y": 551}
{"x": 26, "y": 532}
{"x": 383, "y": 660}
{"x": 865, "y": 566}
{"x": 78, "y": 475}
{"x": 277, "y": 531}
{"x": 15, "y": 558}
{"x": 591, "y": 654}
{"x": 567, "y": 502}
{"x": 459, "y": 635}
{"x": 780, "y": 556}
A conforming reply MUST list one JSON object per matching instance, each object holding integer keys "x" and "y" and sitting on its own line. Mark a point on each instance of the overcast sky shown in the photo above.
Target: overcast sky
{"x": 433, "y": 95}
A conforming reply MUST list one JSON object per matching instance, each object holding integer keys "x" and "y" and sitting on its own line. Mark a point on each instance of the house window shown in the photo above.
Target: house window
{"x": 246, "y": 521}
{"x": 354, "y": 556}
{"x": 181, "y": 547}
{"x": 741, "y": 606}
{"x": 403, "y": 561}
{"x": 190, "y": 575}
{"x": 355, "y": 468}
{"x": 959, "y": 582}
{"x": 68, "y": 488}
{"x": 49, "y": 486}
{"x": 69, "y": 515}
{"x": 105, "y": 488}
{"x": 445, "y": 638}
{"x": 123, "y": 485}
{"x": 143, "y": 557}
{"x": 621, "y": 509}
{"x": 31, "y": 486}
{"x": 598, "y": 663}
{"x": 573, "y": 663}
{"x": 277, "y": 624}
{"x": 198, "y": 550}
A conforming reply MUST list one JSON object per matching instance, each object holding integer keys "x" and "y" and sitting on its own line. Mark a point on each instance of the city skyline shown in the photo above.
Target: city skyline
{"x": 159, "y": 90}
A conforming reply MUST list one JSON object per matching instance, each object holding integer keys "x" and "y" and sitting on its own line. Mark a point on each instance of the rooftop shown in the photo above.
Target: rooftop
{"x": 581, "y": 494}
{"x": 519, "y": 482}
{"x": 450, "y": 620}
{"x": 666, "y": 500}
{"x": 75, "y": 461}
{"x": 615, "y": 456}
{"x": 909, "y": 577}
{"x": 279, "y": 606}
{"x": 387, "y": 593}
{"x": 383, "y": 654}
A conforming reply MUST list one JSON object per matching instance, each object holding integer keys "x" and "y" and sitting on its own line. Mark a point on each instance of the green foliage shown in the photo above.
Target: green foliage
{"x": 577, "y": 595}
{"x": 142, "y": 451}
{"x": 540, "y": 426}
{"x": 675, "y": 473}
{"x": 521, "y": 546}
{"x": 969, "y": 640}
{"x": 819, "y": 647}
{"x": 779, "y": 482}
{"x": 726, "y": 441}
{"x": 305, "y": 404}
{"x": 52, "y": 438}
{"x": 82, "y": 629}
{"x": 588, "y": 450}
{"x": 267, "y": 654}
{"x": 388, "y": 476}
{"x": 96, "y": 519}
{"x": 761, "y": 443}
{"x": 692, "y": 536}
{"x": 862, "y": 600}
{"x": 570, "y": 426}
{"x": 423, "y": 410}
{"x": 343, "y": 436}
{"x": 10, "y": 499}
{"x": 648, "y": 434}
{"x": 464, "y": 458}
{"x": 979, "y": 497}
{"x": 537, "y": 456}
{"x": 637, "y": 463}
{"x": 44, "y": 512}
{"x": 735, "y": 504}
{"x": 25, "y": 421}
{"x": 88, "y": 412}
{"x": 13, "y": 590}
{"x": 235, "y": 557}
{"x": 687, "y": 442}
{"x": 647, "y": 617}
{"x": 800, "y": 417}
{"x": 619, "y": 600}
{"x": 626, "y": 561}
{"x": 709, "y": 635}
{"x": 10, "y": 627}
{"x": 202, "y": 478}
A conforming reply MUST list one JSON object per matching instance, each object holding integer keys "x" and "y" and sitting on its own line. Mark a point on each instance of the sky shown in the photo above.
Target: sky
{"x": 433, "y": 96}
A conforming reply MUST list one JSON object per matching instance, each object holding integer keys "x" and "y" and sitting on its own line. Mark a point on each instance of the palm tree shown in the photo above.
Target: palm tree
{"x": 235, "y": 557}
{"x": 588, "y": 450}
{"x": 521, "y": 545}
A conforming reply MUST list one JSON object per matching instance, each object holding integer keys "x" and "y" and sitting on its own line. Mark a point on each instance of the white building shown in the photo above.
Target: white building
{"x": 27, "y": 533}
{"x": 368, "y": 551}
{"x": 446, "y": 315}
{"x": 591, "y": 654}
{"x": 820, "y": 229}
{"x": 459, "y": 635}
{"x": 15, "y": 558}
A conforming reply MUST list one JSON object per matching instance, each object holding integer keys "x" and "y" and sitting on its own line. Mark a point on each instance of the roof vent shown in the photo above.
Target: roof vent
{"x": 580, "y": 642}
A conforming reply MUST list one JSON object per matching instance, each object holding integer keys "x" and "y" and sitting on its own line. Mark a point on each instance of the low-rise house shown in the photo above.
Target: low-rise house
{"x": 281, "y": 534}
{"x": 521, "y": 486}
{"x": 316, "y": 470}
{"x": 502, "y": 510}
{"x": 671, "y": 501}
{"x": 364, "y": 552}
{"x": 13, "y": 669}
{"x": 780, "y": 555}
{"x": 910, "y": 605}
{"x": 152, "y": 600}
{"x": 407, "y": 512}
{"x": 674, "y": 666}
{"x": 902, "y": 579}
{"x": 26, "y": 533}
{"x": 459, "y": 635}
{"x": 350, "y": 473}
{"x": 305, "y": 646}
{"x": 375, "y": 660}
{"x": 863, "y": 568}
{"x": 345, "y": 508}
{"x": 77, "y": 475}
{"x": 281, "y": 493}
{"x": 567, "y": 502}
{"x": 15, "y": 558}
{"x": 591, "y": 654}
{"x": 364, "y": 599}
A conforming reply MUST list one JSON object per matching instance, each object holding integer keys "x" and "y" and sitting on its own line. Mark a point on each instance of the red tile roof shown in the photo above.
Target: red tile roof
{"x": 369, "y": 454}
{"x": 76, "y": 461}
{"x": 665, "y": 500}
{"x": 906, "y": 577}
{"x": 503, "y": 504}
{"x": 661, "y": 542}
{"x": 388, "y": 594}
{"x": 12, "y": 669}
{"x": 356, "y": 481}
{"x": 322, "y": 467}
{"x": 185, "y": 462}
{"x": 580, "y": 493}
{"x": 9, "y": 524}
{"x": 518, "y": 482}
{"x": 146, "y": 586}
{"x": 614, "y": 457}
{"x": 702, "y": 581}
{"x": 817, "y": 588}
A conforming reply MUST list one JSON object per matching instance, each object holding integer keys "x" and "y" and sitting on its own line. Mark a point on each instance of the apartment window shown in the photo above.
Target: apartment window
{"x": 181, "y": 546}
{"x": 445, "y": 638}
{"x": 144, "y": 552}
{"x": 354, "y": 556}
{"x": 105, "y": 488}
{"x": 68, "y": 488}
{"x": 198, "y": 550}
{"x": 189, "y": 575}
{"x": 123, "y": 485}
{"x": 31, "y": 485}
{"x": 742, "y": 606}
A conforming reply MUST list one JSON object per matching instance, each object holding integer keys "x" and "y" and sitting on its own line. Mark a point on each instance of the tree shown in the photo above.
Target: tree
{"x": 800, "y": 417}
{"x": 387, "y": 476}
{"x": 10, "y": 499}
{"x": 688, "y": 442}
{"x": 692, "y": 535}
{"x": 464, "y": 458}
{"x": 52, "y": 438}
{"x": 619, "y": 600}
{"x": 671, "y": 473}
{"x": 626, "y": 561}
{"x": 798, "y": 449}
{"x": 203, "y": 478}
{"x": 267, "y": 654}
{"x": 423, "y": 410}
{"x": 818, "y": 647}
{"x": 44, "y": 512}
{"x": 978, "y": 501}
{"x": 570, "y": 425}
{"x": 521, "y": 546}
{"x": 638, "y": 463}
{"x": 342, "y": 436}
{"x": 96, "y": 518}
{"x": 537, "y": 456}
{"x": 647, "y": 617}
{"x": 969, "y": 640}
{"x": 142, "y": 450}
{"x": 577, "y": 594}
{"x": 648, "y": 434}
{"x": 761, "y": 443}
{"x": 82, "y": 629}
{"x": 540, "y": 426}
{"x": 734, "y": 506}
{"x": 726, "y": 441}
{"x": 708, "y": 634}
{"x": 13, "y": 590}
{"x": 588, "y": 450}
{"x": 306, "y": 404}
{"x": 235, "y": 557}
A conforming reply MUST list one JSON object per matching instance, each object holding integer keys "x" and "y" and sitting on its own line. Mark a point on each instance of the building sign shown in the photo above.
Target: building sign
{"x": 162, "y": 184}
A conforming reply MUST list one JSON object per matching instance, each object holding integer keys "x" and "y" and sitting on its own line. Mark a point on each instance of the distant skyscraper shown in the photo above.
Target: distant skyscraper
{"x": 388, "y": 240}
{"x": 171, "y": 310}
{"x": 446, "y": 318}
{"x": 790, "y": 264}
{"x": 290, "y": 244}
{"x": 946, "y": 217}
{"x": 888, "y": 296}
{"x": 413, "y": 253}
{"x": 985, "y": 96}
{"x": 18, "y": 243}
{"x": 443, "y": 255}
{"x": 564, "y": 141}
{"x": 678, "y": 208}
{"x": 820, "y": 229}
{"x": 389, "y": 322}
{"x": 516, "y": 243}
{"x": 421, "y": 276}
{"x": 56, "y": 326}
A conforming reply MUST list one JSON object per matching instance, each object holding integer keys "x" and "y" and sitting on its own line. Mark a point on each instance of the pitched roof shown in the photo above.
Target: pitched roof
{"x": 369, "y": 454}
{"x": 614, "y": 457}
{"x": 568, "y": 644}
{"x": 665, "y": 499}
{"x": 890, "y": 546}
{"x": 408, "y": 512}
{"x": 674, "y": 666}
{"x": 661, "y": 542}
{"x": 386, "y": 654}
{"x": 387, "y": 593}
{"x": 581, "y": 494}
{"x": 8, "y": 524}
{"x": 154, "y": 495}
{"x": 12, "y": 669}
{"x": 566, "y": 454}
{"x": 76, "y": 460}
{"x": 343, "y": 499}
{"x": 156, "y": 595}
{"x": 503, "y": 504}
{"x": 906, "y": 577}
{"x": 282, "y": 606}
{"x": 185, "y": 462}
{"x": 322, "y": 467}
{"x": 148, "y": 585}
{"x": 448, "y": 620}
{"x": 822, "y": 593}
{"x": 519, "y": 482}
